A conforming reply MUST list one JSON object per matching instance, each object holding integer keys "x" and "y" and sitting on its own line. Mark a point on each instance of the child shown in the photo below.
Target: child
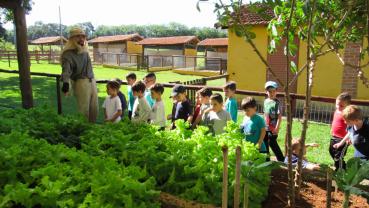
{"x": 122, "y": 97}
{"x": 131, "y": 79}
{"x": 338, "y": 131}
{"x": 273, "y": 119}
{"x": 141, "y": 109}
{"x": 183, "y": 108}
{"x": 253, "y": 125}
{"x": 216, "y": 117}
{"x": 296, "y": 145}
{"x": 149, "y": 80}
{"x": 231, "y": 102}
{"x": 204, "y": 94}
{"x": 197, "y": 108}
{"x": 357, "y": 131}
{"x": 157, "y": 116}
{"x": 112, "y": 106}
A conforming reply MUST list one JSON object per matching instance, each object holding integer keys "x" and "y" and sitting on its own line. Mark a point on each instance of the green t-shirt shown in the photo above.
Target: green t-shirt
{"x": 251, "y": 127}
{"x": 232, "y": 108}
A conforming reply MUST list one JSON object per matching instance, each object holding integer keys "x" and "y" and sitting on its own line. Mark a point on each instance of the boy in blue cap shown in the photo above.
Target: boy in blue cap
{"x": 273, "y": 119}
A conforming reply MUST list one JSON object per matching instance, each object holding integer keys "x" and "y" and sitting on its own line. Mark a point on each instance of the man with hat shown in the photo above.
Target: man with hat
{"x": 77, "y": 72}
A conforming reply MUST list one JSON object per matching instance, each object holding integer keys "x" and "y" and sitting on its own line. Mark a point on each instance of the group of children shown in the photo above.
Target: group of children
{"x": 145, "y": 104}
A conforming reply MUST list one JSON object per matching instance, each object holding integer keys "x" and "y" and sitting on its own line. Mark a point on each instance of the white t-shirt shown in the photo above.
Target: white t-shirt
{"x": 157, "y": 115}
{"x": 141, "y": 110}
{"x": 111, "y": 106}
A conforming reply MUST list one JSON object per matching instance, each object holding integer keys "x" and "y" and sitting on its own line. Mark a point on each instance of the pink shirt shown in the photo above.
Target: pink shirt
{"x": 338, "y": 125}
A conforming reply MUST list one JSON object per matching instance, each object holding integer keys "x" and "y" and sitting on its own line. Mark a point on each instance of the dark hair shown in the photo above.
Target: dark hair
{"x": 131, "y": 76}
{"x": 217, "y": 97}
{"x": 159, "y": 88}
{"x": 248, "y": 102}
{"x": 205, "y": 92}
{"x": 230, "y": 86}
{"x": 345, "y": 97}
{"x": 150, "y": 75}
{"x": 139, "y": 86}
{"x": 113, "y": 84}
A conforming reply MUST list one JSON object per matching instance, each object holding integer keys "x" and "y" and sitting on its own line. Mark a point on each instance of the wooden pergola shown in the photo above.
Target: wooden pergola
{"x": 22, "y": 49}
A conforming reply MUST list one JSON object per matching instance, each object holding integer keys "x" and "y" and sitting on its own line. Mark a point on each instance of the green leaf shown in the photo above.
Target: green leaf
{"x": 293, "y": 67}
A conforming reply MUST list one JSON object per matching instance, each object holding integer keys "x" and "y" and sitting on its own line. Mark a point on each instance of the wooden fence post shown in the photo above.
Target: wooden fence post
{"x": 246, "y": 195}
{"x": 9, "y": 58}
{"x": 329, "y": 187}
{"x": 225, "y": 177}
{"x": 37, "y": 56}
{"x": 57, "y": 79}
{"x": 236, "y": 202}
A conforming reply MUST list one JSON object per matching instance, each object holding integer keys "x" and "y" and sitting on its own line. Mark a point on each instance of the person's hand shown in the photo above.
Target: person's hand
{"x": 338, "y": 145}
{"x": 314, "y": 145}
{"x": 65, "y": 88}
{"x": 275, "y": 131}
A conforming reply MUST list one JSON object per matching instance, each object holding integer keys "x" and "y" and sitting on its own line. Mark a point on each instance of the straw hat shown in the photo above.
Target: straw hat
{"x": 76, "y": 31}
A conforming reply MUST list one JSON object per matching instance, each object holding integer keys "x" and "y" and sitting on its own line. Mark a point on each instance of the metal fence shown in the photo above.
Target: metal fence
{"x": 322, "y": 108}
{"x": 118, "y": 59}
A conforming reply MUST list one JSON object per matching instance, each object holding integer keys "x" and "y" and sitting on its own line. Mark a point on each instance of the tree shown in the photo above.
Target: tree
{"x": 337, "y": 24}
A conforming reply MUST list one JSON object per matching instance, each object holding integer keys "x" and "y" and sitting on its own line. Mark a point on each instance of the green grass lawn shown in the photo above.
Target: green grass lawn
{"x": 44, "y": 90}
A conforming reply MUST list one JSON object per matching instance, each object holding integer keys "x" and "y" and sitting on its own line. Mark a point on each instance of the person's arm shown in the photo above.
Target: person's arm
{"x": 342, "y": 142}
{"x": 261, "y": 138}
{"x": 65, "y": 76}
{"x": 105, "y": 115}
{"x": 312, "y": 145}
{"x": 116, "y": 115}
{"x": 276, "y": 131}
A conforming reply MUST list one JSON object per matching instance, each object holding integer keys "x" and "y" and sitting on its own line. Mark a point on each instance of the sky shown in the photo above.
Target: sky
{"x": 120, "y": 12}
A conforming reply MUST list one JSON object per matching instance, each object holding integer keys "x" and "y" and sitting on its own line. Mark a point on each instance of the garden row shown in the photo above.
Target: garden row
{"x": 48, "y": 160}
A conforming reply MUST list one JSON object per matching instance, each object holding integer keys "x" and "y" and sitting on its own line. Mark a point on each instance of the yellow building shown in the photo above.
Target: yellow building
{"x": 250, "y": 73}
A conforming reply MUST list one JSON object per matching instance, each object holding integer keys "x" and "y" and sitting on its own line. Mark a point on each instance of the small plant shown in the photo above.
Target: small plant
{"x": 347, "y": 180}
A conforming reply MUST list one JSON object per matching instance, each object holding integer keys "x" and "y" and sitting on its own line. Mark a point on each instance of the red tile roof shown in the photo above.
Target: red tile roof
{"x": 116, "y": 38}
{"x": 214, "y": 42}
{"x": 48, "y": 40}
{"x": 250, "y": 16}
{"x": 176, "y": 40}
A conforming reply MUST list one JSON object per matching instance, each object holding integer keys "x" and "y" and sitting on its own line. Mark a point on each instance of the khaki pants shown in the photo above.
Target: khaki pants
{"x": 85, "y": 92}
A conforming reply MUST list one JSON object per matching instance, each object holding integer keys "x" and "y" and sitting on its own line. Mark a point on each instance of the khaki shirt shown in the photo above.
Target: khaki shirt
{"x": 76, "y": 66}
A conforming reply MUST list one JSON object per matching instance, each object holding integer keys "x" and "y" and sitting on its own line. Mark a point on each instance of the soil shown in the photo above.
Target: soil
{"x": 313, "y": 193}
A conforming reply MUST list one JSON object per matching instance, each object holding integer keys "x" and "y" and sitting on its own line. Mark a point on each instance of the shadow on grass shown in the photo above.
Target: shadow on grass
{"x": 44, "y": 95}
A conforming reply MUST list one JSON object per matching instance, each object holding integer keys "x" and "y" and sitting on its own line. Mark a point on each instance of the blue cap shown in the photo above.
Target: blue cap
{"x": 272, "y": 84}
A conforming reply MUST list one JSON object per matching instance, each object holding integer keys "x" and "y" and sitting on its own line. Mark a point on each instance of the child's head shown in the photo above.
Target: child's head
{"x": 229, "y": 89}
{"x": 112, "y": 88}
{"x": 296, "y": 146}
{"x": 150, "y": 79}
{"x": 343, "y": 100}
{"x": 131, "y": 78}
{"x": 271, "y": 89}
{"x": 138, "y": 89}
{"x": 156, "y": 91}
{"x": 216, "y": 102}
{"x": 248, "y": 104}
{"x": 179, "y": 93}
{"x": 205, "y": 94}
{"x": 352, "y": 115}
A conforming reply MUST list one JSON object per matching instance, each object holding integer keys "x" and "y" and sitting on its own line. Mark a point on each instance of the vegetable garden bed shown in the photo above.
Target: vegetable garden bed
{"x": 48, "y": 160}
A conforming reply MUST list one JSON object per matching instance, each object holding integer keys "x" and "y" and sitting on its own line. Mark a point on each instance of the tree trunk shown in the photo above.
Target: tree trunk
{"x": 23, "y": 56}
